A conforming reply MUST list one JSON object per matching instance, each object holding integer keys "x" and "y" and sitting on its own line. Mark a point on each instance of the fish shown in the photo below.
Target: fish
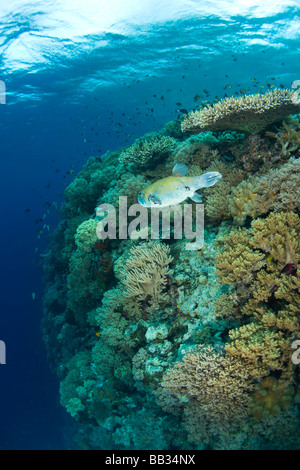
{"x": 177, "y": 188}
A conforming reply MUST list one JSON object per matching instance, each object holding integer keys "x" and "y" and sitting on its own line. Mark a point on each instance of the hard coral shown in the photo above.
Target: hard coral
{"x": 288, "y": 137}
{"x": 248, "y": 113}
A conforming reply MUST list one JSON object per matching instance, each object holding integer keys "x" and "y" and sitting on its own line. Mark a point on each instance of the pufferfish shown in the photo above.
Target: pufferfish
{"x": 177, "y": 188}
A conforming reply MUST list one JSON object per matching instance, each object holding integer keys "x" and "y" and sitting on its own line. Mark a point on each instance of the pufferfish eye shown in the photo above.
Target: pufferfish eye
{"x": 154, "y": 199}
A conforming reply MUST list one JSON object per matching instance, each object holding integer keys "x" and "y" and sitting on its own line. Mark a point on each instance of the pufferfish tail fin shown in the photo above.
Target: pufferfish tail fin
{"x": 209, "y": 179}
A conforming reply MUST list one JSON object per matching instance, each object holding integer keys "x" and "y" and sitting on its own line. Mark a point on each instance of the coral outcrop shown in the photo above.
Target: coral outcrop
{"x": 159, "y": 347}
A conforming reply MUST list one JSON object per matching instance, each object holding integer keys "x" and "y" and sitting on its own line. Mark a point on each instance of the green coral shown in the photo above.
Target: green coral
{"x": 147, "y": 151}
{"x": 86, "y": 235}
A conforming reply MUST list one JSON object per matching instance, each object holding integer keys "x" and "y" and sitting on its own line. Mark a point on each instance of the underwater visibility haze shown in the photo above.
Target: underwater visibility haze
{"x": 141, "y": 340}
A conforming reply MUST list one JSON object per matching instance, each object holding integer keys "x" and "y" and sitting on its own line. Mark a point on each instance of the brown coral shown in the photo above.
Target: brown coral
{"x": 206, "y": 384}
{"x": 262, "y": 265}
{"x": 271, "y": 397}
{"x": 278, "y": 190}
{"x": 248, "y": 113}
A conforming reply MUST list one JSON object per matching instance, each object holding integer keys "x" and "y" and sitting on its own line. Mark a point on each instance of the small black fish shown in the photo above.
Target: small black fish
{"x": 183, "y": 110}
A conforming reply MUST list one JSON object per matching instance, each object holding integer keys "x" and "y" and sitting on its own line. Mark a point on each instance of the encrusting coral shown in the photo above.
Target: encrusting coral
{"x": 248, "y": 113}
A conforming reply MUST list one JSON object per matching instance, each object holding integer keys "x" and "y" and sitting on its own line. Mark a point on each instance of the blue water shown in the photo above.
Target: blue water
{"x": 83, "y": 78}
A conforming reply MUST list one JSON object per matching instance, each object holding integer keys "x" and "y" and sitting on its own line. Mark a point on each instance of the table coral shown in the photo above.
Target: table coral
{"x": 248, "y": 113}
{"x": 146, "y": 151}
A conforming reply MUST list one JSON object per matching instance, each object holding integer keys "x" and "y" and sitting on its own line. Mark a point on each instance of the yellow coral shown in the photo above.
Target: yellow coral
{"x": 249, "y": 113}
{"x": 278, "y": 235}
{"x": 266, "y": 259}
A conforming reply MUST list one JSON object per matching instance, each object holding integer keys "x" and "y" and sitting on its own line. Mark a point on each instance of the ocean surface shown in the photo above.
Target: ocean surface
{"x": 81, "y": 79}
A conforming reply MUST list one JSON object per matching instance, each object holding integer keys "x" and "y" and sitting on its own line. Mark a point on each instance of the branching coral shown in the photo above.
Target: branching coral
{"x": 146, "y": 151}
{"x": 249, "y": 113}
{"x": 242, "y": 202}
{"x": 262, "y": 264}
{"x": 271, "y": 397}
{"x": 216, "y": 201}
{"x": 144, "y": 274}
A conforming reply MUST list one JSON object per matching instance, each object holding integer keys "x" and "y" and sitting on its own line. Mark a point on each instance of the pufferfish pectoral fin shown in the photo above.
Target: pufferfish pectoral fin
{"x": 196, "y": 197}
{"x": 180, "y": 169}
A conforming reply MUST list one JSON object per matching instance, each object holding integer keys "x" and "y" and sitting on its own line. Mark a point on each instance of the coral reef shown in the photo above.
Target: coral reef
{"x": 160, "y": 347}
{"x": 271, "y": 397}
{"x": 248, "y": 113}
